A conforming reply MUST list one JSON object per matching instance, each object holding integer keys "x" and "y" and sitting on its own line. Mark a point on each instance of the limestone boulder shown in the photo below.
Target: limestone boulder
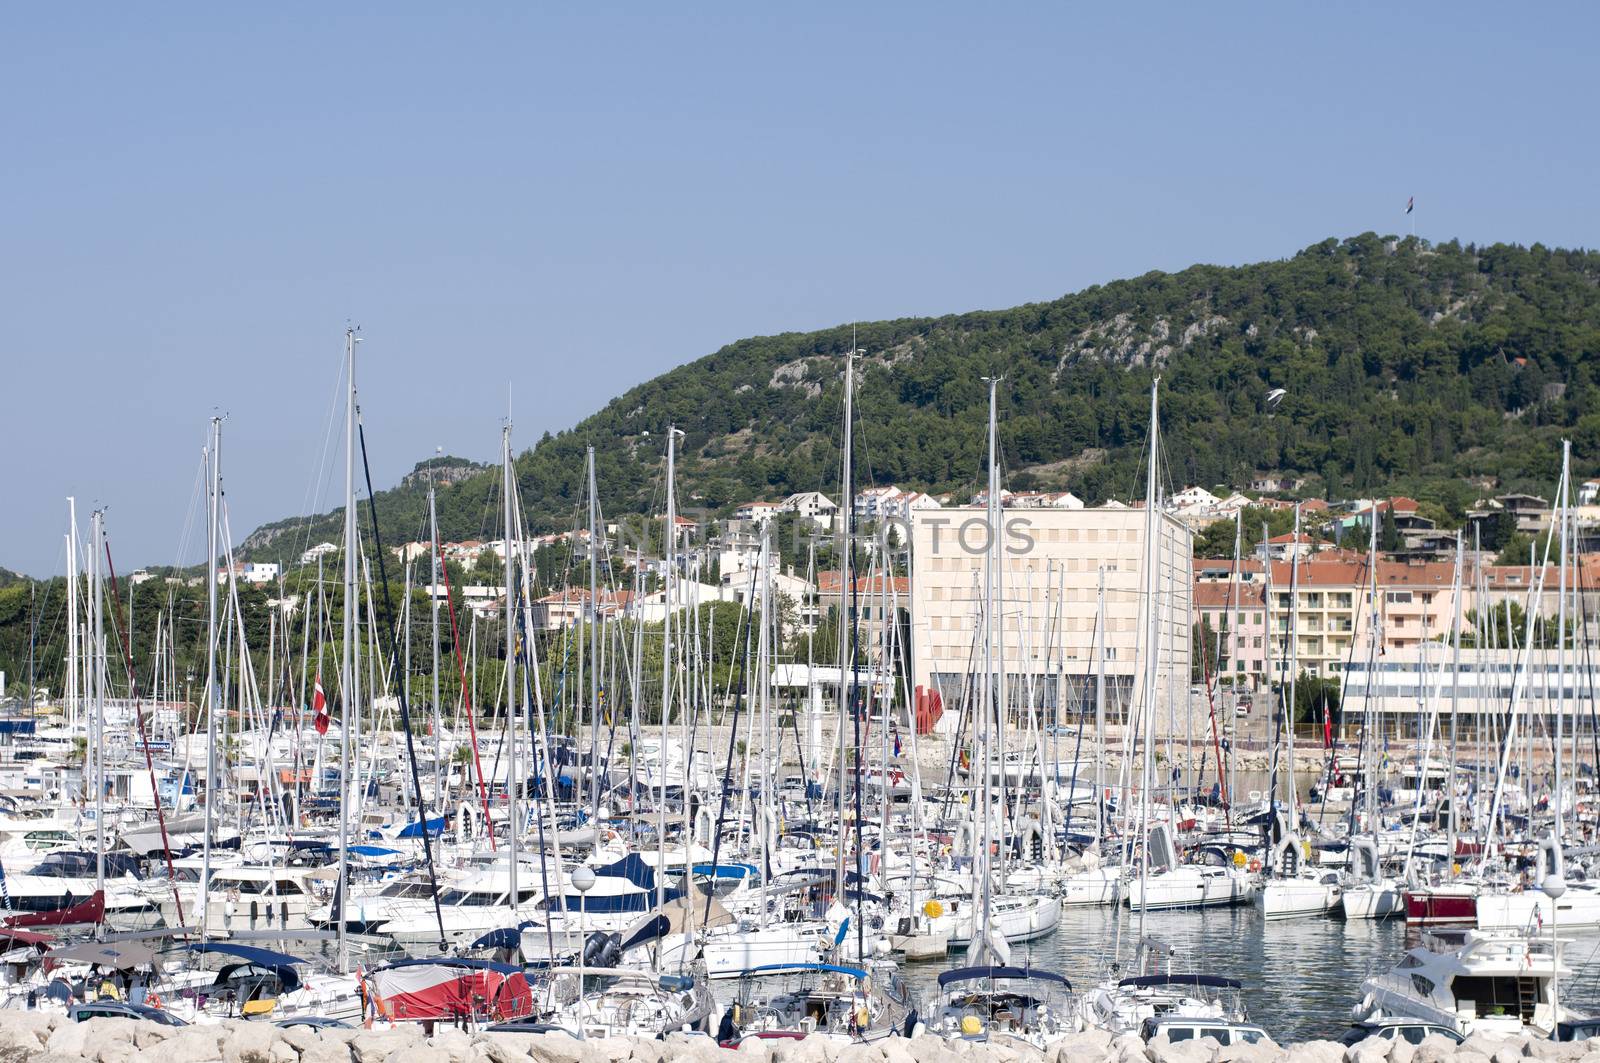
{"x": 751, "y": 1050}
{"x": 1435, "y": 1048}
{"x": 376, "y": 1046}
{"x": 1316, "y": 1052}
{"x": 558, "y": 1048}
{"x": 250, "y": 1043}
{"x": 420, "y": 1053}
{"x": 326, "y": 1050}
{"x": 298, "y": 1038}
{"x": 69, "y": 1040}
{"x": 453, "y": 1042}
{"x": 18, "y": 1044}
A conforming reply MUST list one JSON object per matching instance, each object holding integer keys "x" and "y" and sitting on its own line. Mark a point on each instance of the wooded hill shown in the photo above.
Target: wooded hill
{"x": 1437, "y": 370}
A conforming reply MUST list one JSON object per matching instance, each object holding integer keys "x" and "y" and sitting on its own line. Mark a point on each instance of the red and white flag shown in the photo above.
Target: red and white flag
{"x": 319, "y": 707}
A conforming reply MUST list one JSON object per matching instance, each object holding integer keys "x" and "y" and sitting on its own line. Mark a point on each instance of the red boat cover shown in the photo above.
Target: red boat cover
{"x": 92, "y": 910}
{"x": 447, "y": 990}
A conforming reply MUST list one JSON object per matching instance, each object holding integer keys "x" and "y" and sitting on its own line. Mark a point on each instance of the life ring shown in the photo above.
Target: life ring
{"x": 153, "y": 1000}
{"x": 1255, "y": 863}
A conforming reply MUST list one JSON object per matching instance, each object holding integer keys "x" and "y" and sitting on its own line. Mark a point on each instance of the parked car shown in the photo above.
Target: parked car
{"x": 1412, "y": 1031}
{"x": 1172, "y": 1029}
{"x": 314, "y": 1022}
{"x": 116, "y": 1009}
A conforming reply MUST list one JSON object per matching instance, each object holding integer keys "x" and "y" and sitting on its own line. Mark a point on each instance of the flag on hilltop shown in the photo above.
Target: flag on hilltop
{"x": 1411, "y": 203}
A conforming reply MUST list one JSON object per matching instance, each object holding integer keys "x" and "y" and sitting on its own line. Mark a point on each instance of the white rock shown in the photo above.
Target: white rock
{"x": 1263, "y": 1051}
{"x": 68, "y": 1040}
{"x": 326, "y": 1050}
{"x": 1483, "y": 1044}
{"x": 453, "y": 1042}
{"x": 752, "y": 1049}
{"x": 557, "y": 1048}
{"x": 647, "y": 1051}
{"x": 251, "y": 1043}
{"x": 1435, "y": 1048}
{"x": 423, "y": 1053}
{"x": 376, "y": 1046}
{"x": 1316, "y": 1052}
{"x": 18, "y": 1044}
{"x": 299, "y": 1038}
{"x": 619, "y": 1047}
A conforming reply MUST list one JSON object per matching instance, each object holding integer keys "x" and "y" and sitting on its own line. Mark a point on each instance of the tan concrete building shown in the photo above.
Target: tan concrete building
{"x": 1049, "y": 597}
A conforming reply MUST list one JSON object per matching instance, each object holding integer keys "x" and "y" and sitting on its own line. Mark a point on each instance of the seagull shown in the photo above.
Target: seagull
{"x": 1275, "y": 396}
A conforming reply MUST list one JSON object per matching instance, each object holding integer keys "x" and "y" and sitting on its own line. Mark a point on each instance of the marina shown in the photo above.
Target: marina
{"x": 845, "y": 534}
{"x": 603, "y": 850}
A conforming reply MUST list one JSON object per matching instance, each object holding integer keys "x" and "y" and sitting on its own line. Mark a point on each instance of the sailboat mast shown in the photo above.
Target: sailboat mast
{"x": 213, "y": 685}
{"x": 845, "y": 544}
{"x": 669, "y": 544}
{"x": 594, "y": 644}
{"x": 508, "y": 482}
{"x": 97, "y": 677}
{"x": 1152, "y": 639}
{"x": 349, "y": 710}
{"x": 1099, "y": 710}
{"x": 993, "y": 681}
{"x": 1563, "y": 504}
{"x": 433, "y": 633}
{"x": 1294, "y": 662}
{"x": 73, "y": 678}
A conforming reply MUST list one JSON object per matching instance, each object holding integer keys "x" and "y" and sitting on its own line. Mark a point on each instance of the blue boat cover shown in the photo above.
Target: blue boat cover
{"x": 280, "y": 963}
{"x": 971, "y": 974}
{"x": 780, "y": 968}
{"x": 507, "y": 937}
{"x": 248, "y": 953}
{"x": 634, "y": 869}
{"x": 725, "y": 870}
{"x": 1214, "y": 980}
{"x": 414, "y": 830}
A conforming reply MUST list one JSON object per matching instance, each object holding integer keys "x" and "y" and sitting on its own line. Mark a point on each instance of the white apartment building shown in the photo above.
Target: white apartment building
{"x": 256, "y": 572}
{"x": 1413, "y": 689}
{"x": 758, "y": 513}
{"x": 812, "y": 505}
{"x": 1053, "y": 562}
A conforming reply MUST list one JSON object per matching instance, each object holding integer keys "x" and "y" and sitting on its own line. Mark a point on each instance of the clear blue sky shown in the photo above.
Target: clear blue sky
{"x": 564, "y": 202}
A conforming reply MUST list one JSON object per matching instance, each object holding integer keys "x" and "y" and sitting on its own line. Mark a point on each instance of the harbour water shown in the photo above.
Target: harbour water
{"x": 1301, "y": 976}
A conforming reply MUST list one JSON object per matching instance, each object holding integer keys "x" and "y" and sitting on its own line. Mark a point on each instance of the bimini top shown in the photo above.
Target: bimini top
{"x": 1213, "y": 980}
{"x": 247, "y": 953}
{"x": 280, "y": 964}
{"x": 790, "y": 968}
{"x": 971, "y": 974}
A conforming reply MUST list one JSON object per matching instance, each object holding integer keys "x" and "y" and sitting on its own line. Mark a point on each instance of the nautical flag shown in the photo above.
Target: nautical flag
{"x": 1411, "y": 202}
{"x": 1327, "y": 725}
{"x": 319, "y": 707}
{"x": 897, "y": 743}
{"x": 966, "y": 761}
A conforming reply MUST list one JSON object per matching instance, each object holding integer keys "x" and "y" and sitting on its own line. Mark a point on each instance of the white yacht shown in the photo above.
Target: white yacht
{"x": 1471, "y": 981}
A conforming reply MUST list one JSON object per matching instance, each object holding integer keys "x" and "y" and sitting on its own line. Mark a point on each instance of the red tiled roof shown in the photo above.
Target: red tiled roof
{"x": 1226, "y": 594}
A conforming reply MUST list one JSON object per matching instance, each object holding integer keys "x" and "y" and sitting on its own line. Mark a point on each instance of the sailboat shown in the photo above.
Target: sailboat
{"x": 1164, "y": 881}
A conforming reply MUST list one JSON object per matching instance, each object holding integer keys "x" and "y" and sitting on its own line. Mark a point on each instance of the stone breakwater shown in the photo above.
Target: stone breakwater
{"x": 32, "y": 1037}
